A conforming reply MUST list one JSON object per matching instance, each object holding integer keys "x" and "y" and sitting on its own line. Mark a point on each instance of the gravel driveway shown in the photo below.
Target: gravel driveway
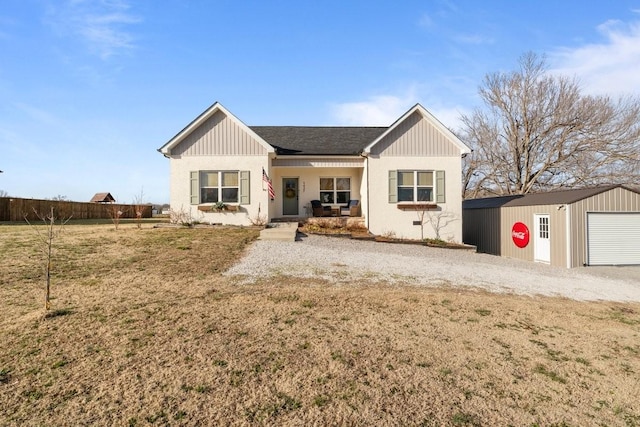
{"x": 344, "y": 260}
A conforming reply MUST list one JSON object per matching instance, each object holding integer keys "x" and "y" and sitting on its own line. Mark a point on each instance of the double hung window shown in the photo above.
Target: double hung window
{"x": 218, "y": 186}
{"x": 210, "y": 186}
{"x": 415, "y": 186}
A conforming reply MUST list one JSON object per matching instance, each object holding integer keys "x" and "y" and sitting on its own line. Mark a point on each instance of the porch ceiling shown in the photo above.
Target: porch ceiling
{"x": 322, "y": 162}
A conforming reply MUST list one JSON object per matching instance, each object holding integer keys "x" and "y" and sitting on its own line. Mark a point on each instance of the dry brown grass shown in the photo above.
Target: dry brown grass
{"x": 145, "y": 330}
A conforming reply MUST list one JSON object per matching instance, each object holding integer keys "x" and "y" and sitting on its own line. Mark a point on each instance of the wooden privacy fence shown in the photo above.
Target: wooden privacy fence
{"x": 15, "y": 209}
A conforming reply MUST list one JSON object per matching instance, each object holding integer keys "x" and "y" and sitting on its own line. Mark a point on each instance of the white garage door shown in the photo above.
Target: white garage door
{"x": 613, "y": 238}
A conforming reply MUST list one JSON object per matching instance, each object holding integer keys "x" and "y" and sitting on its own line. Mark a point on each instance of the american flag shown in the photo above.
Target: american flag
{"x": 265, "y": 178}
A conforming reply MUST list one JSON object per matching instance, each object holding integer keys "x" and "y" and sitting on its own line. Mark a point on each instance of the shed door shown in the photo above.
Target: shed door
{"x": 613, "y": 238}
{"x": 542, "y": 239}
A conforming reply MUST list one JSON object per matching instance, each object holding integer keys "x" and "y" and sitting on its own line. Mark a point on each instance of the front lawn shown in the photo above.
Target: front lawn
{"x": 144, "y": 329}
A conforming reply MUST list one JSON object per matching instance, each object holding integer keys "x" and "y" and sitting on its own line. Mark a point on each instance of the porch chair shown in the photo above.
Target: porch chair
{"x": 319, "y": 210}
{"x": 351, "y": 209}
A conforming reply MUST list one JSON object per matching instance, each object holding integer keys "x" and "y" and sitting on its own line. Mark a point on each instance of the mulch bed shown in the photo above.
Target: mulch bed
{"x": 382, "y": 239}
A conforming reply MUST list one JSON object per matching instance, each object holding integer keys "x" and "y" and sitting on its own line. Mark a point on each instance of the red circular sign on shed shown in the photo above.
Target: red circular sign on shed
{"x": 520, "y": 234}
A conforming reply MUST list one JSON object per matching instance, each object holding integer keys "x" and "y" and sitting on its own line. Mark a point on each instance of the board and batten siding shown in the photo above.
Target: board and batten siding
{"x": 615, "y": 200}
{"x": 219, "y": 135}
{"x": 408, "y": 139}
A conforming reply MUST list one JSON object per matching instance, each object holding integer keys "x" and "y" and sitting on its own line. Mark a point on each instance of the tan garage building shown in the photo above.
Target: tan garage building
{"x": 569, "y": 228}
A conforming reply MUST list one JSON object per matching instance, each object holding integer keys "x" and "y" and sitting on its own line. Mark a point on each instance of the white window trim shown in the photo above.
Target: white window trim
{"x": 220, "y": 187}
{"x": 416, "y": 186}
{"x": 335, "y": 189}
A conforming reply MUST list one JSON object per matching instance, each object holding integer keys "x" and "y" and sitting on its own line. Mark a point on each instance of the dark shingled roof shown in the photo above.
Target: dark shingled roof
{"x": 550, "y": 198}
{"x": 314, "y": 140}
{"x": 488, "y": 202}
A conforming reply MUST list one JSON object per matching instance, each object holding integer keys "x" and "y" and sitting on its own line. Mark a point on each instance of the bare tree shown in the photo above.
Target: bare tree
{"x": 46, "y": 245}
{"x": 115, "y": 213}
{"x": 539, "y": 132}
{"x": 4, "y": 193}
{"x": 183, "y": 217}
{"x": 422, "y": 218}
{"x": 438, "y": 220}
{"x": 138, "y": 207}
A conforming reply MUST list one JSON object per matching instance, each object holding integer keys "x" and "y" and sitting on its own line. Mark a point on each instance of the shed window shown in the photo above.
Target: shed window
{"x": 544, "y": 227}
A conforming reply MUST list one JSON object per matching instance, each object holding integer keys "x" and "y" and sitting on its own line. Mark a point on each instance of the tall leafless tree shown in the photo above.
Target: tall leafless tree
{"x": 115, "y": 213}
{"x": 45, "y": 242}
{"x": 539, "y": 132}
{"x": 138, "y": 207}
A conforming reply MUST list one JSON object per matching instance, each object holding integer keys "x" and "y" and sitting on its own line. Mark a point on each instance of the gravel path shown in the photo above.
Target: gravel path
{"x": 344, "y": 260}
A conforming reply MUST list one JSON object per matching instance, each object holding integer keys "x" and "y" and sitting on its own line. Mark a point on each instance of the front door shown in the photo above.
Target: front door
{"x": 289, "y": 196}
{"x": 542, "y": 239}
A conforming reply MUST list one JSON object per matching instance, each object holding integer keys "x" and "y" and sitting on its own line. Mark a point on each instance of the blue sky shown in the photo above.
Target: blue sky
{"x": 90, "y": 89}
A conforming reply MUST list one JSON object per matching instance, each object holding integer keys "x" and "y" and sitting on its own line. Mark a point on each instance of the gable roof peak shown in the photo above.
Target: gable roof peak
{"x": 204, "y": 116}
{"x": 102, "y": 198}
{"x": 431, "y": 119}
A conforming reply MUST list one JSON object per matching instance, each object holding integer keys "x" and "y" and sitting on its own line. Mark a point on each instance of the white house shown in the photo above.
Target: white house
{"x": 396, "y": 173}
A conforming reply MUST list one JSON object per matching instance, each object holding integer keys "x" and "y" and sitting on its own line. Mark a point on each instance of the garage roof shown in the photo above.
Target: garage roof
{"x": 549, "y": 198}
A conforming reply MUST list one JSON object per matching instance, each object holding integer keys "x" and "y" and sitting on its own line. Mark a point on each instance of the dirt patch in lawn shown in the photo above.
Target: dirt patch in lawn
{"x": 145, "y": 330}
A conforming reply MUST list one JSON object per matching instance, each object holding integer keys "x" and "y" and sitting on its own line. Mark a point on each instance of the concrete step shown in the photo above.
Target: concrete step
{"x": 283, "y": 231}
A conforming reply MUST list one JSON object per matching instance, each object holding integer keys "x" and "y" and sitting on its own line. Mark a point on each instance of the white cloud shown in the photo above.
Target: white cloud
{"x": 610, "y": 67}
{"x": 448, "y": 116}
{"x": 103, "y": 25}
{"x": 381, "y": 110}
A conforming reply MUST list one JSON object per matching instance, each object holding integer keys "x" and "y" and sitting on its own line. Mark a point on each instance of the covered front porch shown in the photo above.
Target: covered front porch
{"x": 318, "y": 188}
